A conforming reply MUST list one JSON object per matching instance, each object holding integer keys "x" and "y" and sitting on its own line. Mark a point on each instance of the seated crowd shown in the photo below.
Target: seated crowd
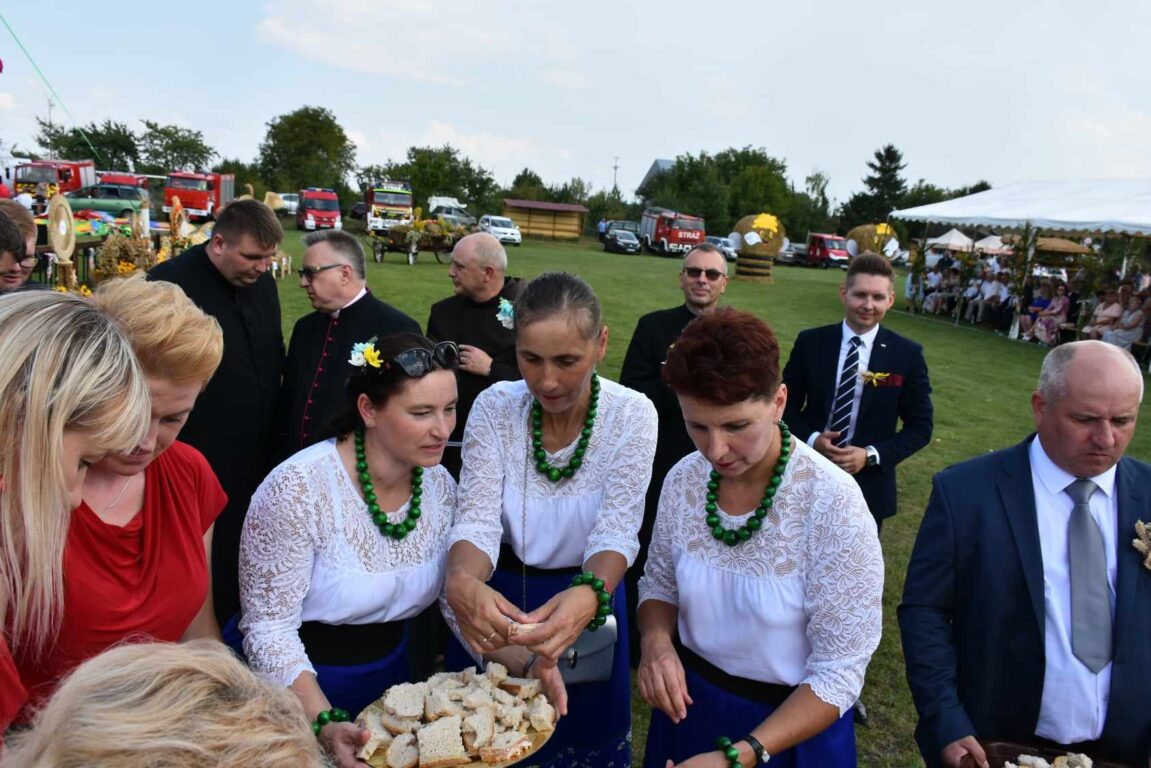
{"x": 145, "y": 623}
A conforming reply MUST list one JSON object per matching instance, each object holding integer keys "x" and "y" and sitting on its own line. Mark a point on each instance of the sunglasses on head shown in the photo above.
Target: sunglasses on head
{"x": 309, "y": 273}
{"x": 420, "y": 361}
{"x": 695, "y": 272}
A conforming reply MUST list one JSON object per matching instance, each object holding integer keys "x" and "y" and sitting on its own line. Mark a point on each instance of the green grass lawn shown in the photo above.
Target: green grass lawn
{"x": 982, "y": 387}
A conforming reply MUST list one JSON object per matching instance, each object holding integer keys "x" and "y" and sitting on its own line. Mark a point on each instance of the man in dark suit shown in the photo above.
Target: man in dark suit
{"x": 233, "y": 423}
{"x": 333, "y": 275}
{"x": 850, "y": 384}
{"x": 1026, "y": 612}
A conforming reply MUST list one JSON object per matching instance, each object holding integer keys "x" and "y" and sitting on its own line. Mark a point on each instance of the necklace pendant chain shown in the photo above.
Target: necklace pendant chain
{"x": 400, "y": 530}
{"x": 734, "y": 536}
{"x": 120, "y": 495}
{"x": 539, "y": 455}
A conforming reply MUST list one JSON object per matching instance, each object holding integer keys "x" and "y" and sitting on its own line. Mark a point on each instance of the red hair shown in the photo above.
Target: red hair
{"x": 724, "y": 357}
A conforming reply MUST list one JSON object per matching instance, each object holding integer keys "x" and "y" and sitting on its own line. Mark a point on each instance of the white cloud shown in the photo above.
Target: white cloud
{"x": 7, "y": 100}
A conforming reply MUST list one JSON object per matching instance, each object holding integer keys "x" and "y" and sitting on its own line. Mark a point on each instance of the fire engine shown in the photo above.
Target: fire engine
{"x": 319, "y": 209}
{"x": 57, "y": 176}
{"x": 386, "y": 205}
{"x": 663, "y": 231}
{"x": 201, "y": 194}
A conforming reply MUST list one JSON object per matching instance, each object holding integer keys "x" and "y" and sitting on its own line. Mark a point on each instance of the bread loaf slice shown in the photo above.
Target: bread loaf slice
{"x": 505, "y": 746}
{"x": 402, "y": 752}
{"x": 441, "y": 744}
{"x": 406, "y": 700}
{"x": 521, "y": 687}
{"x": 380, "y": 737}
{"x": 438, "y": 705}
{"x": 397, "y": 725}
{"x": 542, "y": 715}
{"x": 479, "y": 728}
{"x": 495, "y": 672}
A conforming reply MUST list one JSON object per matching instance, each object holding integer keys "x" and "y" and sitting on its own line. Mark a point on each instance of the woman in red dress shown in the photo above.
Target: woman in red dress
{"x": 136, "y": 562}
{"x": 70, "y": 391}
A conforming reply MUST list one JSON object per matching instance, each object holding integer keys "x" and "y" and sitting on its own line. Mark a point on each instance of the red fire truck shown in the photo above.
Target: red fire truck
{"x": 666, "y": 232}
{"x": 201, "y": 194}
{"x": 57, "y": 176}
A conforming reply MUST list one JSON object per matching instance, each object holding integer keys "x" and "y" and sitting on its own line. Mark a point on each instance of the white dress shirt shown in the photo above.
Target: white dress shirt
{"x": 867, "y": 343}
{"x": 1074, "y": 703}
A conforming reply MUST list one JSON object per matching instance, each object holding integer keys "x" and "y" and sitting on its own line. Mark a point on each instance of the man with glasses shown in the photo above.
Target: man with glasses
{"x": 480, "y": 319}
{"x": 333, "y": 275}
{"x": 233, "y": 423}
{"x": 17, "y": 246}
{"x": 703, "y": 280}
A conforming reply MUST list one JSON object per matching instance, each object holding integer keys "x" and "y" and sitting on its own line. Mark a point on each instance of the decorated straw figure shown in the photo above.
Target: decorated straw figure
{"x": 762, "y": 236}
{"x": 871, "y": 237}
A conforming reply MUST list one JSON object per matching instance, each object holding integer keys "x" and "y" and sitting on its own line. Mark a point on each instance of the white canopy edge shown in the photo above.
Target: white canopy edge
{"x": 1087, "y": 206}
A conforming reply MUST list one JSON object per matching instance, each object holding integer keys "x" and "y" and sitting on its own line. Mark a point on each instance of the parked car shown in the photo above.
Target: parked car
{"x": 121, "y": 200}
{"x": 725, "y": 246}
{"x": 502, "y": 228}
{"x": 456, "y": 217}
{"x": 359, "y": 211}
{"x": 630, "y": 226}
{"x": 621, "y": 241}
{"x": 291, "y": 203}
{"x": 795, "y": 254}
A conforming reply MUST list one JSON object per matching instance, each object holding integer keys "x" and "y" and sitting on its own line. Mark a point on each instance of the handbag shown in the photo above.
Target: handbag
{"x": 590, "y": 658}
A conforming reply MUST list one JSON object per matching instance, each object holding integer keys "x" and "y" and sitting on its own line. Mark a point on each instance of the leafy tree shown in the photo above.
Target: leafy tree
{"x": 306, "y": 148}
{"x": 165, "y": 148}
{"x": 576, "y": 191}
{"x": 245, "y": 173}
{"x": 527, "y": 185}
{"x": 885, "y": 190}
{"x": 112, "y": 145}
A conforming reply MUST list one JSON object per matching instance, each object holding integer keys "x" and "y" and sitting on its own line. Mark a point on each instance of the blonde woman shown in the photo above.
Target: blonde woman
{"x": 141, "y": 538}
{"x": 179, "y": 706}
{"x": 70, "y": 391}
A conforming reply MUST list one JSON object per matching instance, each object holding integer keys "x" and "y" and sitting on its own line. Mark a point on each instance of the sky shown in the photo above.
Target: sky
{"x": 983, "y": 89}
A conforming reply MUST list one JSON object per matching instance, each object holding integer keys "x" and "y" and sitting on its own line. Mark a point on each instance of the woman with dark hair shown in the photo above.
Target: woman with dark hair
{"x": 760, "y": 605}
{"x": 346, "y": 540}
{"x": 555, "y": 469}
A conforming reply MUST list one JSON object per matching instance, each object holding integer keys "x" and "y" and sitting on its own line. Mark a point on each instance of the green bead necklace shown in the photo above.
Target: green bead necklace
{"x": 540, "y": 456}
{"x": 731, "y": 537}
{"x": 399, "y": 530}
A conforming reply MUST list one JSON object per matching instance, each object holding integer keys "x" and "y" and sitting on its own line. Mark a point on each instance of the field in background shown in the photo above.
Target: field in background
{"x": 982, "y": 387}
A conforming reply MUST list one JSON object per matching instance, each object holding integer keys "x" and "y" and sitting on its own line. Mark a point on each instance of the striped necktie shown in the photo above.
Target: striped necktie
{"x": 845, "y": 393}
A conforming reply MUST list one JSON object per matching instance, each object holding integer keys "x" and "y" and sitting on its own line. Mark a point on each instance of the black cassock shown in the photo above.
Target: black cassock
{"x": 318, "y": 367}
{"x": 233, "y": 422}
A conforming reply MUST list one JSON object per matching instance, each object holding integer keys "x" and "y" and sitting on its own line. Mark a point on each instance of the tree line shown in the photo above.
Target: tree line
{"x": 308, "y": 147}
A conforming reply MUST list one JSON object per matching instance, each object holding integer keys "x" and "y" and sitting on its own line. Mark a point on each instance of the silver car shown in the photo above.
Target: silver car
{"x": 502, "y": 228}
{"x": 724, "y": 245}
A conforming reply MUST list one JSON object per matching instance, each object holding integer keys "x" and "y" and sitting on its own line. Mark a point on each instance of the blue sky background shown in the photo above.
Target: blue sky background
{"x": 981, "y": 89}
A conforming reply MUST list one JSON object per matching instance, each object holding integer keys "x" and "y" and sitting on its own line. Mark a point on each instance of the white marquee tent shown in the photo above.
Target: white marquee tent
{"x": 1085, "y": 206}
{"x": 953, "y": 240}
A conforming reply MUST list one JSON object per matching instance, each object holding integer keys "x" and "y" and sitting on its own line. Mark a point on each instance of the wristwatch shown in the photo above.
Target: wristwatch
{"x": 872, "y": 456}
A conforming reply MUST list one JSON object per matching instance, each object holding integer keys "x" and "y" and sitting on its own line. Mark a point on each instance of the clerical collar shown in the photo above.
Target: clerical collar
{"x": 359, "y": 296}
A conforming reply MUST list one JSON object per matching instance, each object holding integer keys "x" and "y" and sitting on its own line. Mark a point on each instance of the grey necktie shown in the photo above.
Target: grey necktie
{"x": 1090, "y": 593}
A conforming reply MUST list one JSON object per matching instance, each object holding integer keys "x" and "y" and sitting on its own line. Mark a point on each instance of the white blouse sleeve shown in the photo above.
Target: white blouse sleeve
{"x": 633, "y": 435}
{"x": 480, "y": 497}
{"x": 844, "y": 595}
{"x": 658, "y": 580}
{"x": 277, "y": 548}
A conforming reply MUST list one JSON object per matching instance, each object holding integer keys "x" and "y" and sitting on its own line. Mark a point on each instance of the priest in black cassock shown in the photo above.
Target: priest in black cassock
{"x": 478, "y": 318}
{"x": 233, "y": 423}
{"x": 703, "y": 280}
{"x": 333, "y": 273}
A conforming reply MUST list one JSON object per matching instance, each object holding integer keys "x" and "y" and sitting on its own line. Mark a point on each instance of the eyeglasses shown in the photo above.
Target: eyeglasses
{"x": 695, "y": 272}
{"x": 309, "y": 273}
{"x": 420, "y": 361}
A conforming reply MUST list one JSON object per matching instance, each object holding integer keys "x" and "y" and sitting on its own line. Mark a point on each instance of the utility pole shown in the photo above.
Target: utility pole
{"x": 51, "y": 141}
{"x": 614, "y": 172}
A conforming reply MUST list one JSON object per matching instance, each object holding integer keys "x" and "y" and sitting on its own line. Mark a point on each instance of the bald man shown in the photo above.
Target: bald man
{"x": 1026, "y": 613}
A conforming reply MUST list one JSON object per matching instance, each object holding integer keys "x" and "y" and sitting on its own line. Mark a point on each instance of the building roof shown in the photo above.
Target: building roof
{"x": 657, "y": 167}
{"x": 540, "y": 205}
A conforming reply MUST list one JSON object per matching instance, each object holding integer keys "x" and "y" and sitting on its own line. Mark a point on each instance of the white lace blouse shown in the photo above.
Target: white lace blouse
{"x": 801, "y": 602}
{"x": 599, "y": 508}
{"x": 310, "y": 552}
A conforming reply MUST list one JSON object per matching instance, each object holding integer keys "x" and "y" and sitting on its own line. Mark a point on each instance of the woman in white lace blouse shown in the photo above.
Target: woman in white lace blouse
{"x": 760, "y": 605}
{"x": 555, "y": 468}
{"x": 346, "y": 540}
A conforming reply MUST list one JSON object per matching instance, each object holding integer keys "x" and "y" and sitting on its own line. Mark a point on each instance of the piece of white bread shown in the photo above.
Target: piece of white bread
{"x": 542, "y": 714}
{"x": 510, "y": 717}
{"x": 397, "y": 725}
{"x": 445, "y": 681}
{"x": 437, "y": 705}
{"x": 503, "y": 698}
{"x": 441, "y": 744}
{"x": 406, "y": 699}
{"x": 479, "y": 728}
{"x": 478, "y": 698}
{"x": 495, "y": 672}
{"x": 403, "y": 753}
{"x": 505, "y": 746}
{"x": 380, "y": 737}
{"x": 521, "y": 687}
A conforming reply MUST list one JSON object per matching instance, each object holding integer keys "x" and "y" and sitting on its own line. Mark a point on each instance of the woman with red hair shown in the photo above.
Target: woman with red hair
{"x": 760, "y": 605}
